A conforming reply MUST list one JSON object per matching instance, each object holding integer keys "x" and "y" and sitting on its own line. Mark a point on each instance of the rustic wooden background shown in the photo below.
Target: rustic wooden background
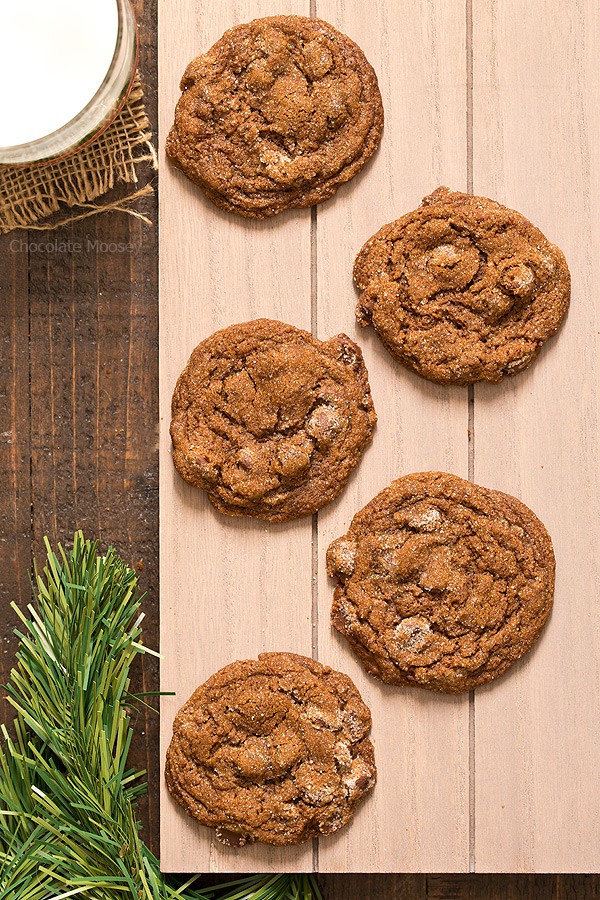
{"x": 500, "y": 98}
{"x": 79, "y": 402}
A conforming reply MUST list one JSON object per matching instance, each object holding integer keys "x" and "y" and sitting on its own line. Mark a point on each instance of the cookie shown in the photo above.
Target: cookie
{"x": 269, "y": 420}
{"x": 442, "y": 584}
{"x": 273, "y": 750}
{"x": 279, "y": 113}
{"x": 462, "y": 289}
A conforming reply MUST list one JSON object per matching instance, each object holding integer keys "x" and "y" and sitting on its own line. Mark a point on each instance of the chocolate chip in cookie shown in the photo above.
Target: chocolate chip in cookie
{"x": 277, "y": 114}
{"x": 269, "y": 420}
{"x": 462, "y": 289}
{"x": 442, "y": 584}
{"x": 273, "y": 750}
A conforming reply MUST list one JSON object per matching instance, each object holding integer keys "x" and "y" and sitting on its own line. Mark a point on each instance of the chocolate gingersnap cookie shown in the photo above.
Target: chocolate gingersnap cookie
{"x": 462, "y": 289}
{"x": 442, "y": 584}
{"x": 269, "y": 420}
{"x": 277, "y": 114}
{"x": 273, "y": 750}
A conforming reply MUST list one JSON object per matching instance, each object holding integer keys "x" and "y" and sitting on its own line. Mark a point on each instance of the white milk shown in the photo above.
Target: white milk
{"x": 54, "y": 55}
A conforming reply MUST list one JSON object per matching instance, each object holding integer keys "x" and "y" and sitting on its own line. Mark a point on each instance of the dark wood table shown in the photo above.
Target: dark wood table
{"x": 78, "y": 449}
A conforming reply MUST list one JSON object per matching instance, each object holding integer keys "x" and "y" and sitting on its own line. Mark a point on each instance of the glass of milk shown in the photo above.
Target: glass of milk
{"x": 66, "y": 68}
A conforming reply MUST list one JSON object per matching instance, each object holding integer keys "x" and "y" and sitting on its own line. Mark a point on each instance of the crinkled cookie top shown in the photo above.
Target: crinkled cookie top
{"x": 269, "y": 420}
{"x": 277, "y": 114}
{"x": 462, "y": 289}
{"x": 442, "y": 583}
{"x": 273, "y": 750}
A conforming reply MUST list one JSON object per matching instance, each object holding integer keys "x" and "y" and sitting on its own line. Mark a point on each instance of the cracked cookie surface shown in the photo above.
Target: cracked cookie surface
{"x": 269, "y": 420}
{"x": 277, "y": 114}
{"x": 462, "y": 289}
{"x": 442, "y": 583}
{"x": 273, "y": 750}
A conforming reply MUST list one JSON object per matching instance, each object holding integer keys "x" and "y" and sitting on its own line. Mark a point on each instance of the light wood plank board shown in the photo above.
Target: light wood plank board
{"x": 230, "y": 588}
{"x": 506, "y": 781}
{"x": 537, "y": 732}
{"x": 418, "y": 817}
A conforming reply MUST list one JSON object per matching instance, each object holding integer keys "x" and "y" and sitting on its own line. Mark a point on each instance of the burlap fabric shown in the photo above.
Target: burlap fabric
{"x": 29, "y": 195}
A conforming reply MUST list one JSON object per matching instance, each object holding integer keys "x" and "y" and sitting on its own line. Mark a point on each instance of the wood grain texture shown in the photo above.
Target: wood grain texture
{"x": 373, "y": 887}
{"x": 538, "y": 730}
{"x": 417, "y": 819}
{"x": 79, "y": 407}
{"x": 94, "y": 407}
{"x": 83, "y": 443}
{"x": 488, "y": 887}
{"x": 15, "y": 425}
{"x": 94, "y": 399}
{"x": 420, "y": 782}
{"x": 231, "y": 588}
{"x": 512, "y": 887}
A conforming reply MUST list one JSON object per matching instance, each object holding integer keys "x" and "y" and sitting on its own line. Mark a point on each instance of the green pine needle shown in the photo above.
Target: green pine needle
{"x": 67, "y": 799}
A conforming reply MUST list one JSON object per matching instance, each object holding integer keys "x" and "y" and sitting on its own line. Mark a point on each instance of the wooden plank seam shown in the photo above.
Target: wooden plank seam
{"x": 471, "y": 412}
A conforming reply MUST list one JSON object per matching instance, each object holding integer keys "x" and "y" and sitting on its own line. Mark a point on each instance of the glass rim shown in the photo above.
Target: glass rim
{"x": 84, "y": 127}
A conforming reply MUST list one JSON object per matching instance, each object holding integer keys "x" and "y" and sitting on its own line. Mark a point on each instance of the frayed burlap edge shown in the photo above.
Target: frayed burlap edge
{"x": 31, "y": 194}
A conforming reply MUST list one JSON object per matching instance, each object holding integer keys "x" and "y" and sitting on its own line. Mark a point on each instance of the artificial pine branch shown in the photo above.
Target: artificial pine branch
{"x": 67, "y": 799}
